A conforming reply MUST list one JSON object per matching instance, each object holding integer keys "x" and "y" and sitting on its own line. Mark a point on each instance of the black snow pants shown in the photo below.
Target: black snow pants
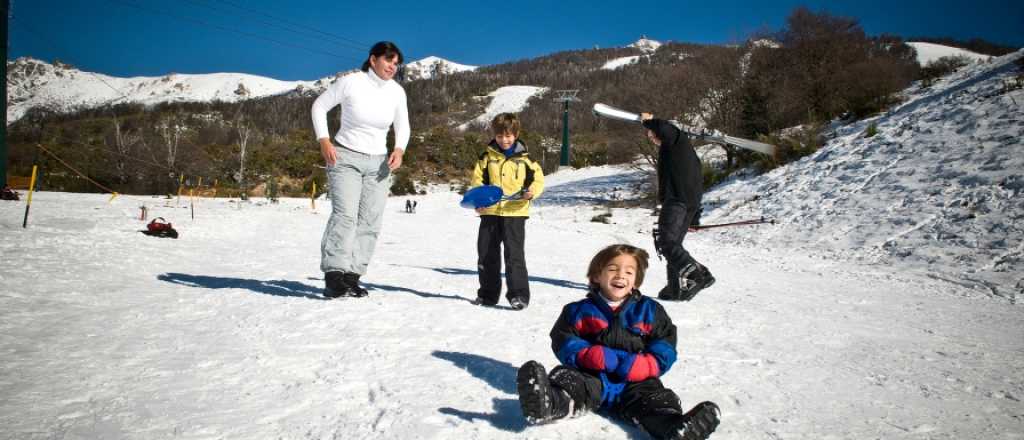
{"x": 494, "y": 232}
{"x": 648, "y": 403}
{"x": 673, "y": 222}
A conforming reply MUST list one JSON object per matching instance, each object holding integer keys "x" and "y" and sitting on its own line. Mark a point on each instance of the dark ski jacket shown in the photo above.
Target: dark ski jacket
{"x": 632, "y": 344}
{"x": 679, "y": 169}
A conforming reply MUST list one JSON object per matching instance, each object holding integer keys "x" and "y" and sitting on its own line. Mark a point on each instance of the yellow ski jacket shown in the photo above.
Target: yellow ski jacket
{"x": 513, "y": 174}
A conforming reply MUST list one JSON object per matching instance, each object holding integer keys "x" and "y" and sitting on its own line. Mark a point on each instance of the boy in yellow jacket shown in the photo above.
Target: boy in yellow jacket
{"x": 505, "y": 163}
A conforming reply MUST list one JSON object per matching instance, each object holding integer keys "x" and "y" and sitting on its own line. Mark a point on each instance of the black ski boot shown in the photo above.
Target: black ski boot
{"x": 540, "y": 401}
{"x": 355, "y": 290}
{"x": 335, "y": 285}
{"x": 689, "y": 281}
{"x": 698, "y": 423}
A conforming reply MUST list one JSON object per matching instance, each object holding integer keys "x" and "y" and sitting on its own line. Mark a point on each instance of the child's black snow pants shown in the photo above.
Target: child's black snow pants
{"x": 648, "y": 403}
{"x": 673, "y": 223}
{"x": 494, "y": 232}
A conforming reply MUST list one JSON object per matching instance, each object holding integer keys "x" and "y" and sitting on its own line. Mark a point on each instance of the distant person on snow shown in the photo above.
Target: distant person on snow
{"x": 680, "y": 188}
{"x": 505, "y": 163}
{"x": 614, "y": 345}
{"x": 358, "y": 164}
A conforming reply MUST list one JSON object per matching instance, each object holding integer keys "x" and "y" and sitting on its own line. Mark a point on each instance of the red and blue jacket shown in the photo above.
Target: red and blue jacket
{"x": 633, "y": 343}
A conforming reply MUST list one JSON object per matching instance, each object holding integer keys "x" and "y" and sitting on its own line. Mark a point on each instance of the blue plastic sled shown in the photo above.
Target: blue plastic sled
{"x": 484, "y": 196}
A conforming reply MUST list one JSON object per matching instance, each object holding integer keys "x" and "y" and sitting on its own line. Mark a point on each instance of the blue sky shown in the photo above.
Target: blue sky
{"x": 300, "y": 39}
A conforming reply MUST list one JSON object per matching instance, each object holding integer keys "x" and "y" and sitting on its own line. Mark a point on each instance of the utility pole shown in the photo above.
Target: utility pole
{"x": 6, "y": 6}
{"x": 565, "y": 96}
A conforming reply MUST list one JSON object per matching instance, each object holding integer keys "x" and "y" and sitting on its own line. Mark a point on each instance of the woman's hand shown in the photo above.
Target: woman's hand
{"x": 328, "y": 152}
{"x": 395, "y": 160}
{"x": 646, "y": 116}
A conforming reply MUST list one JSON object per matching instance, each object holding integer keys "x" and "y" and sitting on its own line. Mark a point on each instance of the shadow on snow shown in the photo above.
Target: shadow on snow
{"x": 533, "y": 279}
{"x": 292, "y": 289}
{"x": 500, "y": 375}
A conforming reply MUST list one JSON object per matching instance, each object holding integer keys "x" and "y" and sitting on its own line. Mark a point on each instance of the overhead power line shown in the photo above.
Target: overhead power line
{"x": 236, "y": 31}
{"x": 362, "y": 46}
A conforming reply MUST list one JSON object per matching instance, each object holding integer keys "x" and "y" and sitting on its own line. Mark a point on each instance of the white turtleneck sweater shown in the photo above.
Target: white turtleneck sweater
{"x": 369, "y": 106}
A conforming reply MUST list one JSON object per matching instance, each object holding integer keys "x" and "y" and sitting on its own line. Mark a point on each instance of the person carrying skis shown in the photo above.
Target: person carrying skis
{"x": 614, "y": 345}
{"x": 505, "y": 163}
{"x": 680, "y": 187}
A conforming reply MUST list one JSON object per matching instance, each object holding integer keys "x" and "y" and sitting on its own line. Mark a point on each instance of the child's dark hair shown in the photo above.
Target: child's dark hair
{"x": 386, "y": 48}
{"x": 506, "y": 123}
{"x": 609, "y": 253}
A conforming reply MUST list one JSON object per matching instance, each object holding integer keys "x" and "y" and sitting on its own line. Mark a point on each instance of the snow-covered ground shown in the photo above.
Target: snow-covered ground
{"x": 928, "y": 52}
{"x": 222, "y": 333}
{"x": 510, "y": 99}
{"x": 884, "y": 304}
{"x": 616, "y": 63}
{"x": 938, "y": 190}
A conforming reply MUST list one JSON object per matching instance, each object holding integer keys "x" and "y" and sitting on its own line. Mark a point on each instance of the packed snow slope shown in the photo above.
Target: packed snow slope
{"x": 222, "y": 333}
{"x": 938, "y": 190}
{"x": 928, "y": 52}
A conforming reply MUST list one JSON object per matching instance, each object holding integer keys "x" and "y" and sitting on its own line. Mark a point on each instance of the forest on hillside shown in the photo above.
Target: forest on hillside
{"x": 817, "y": 69}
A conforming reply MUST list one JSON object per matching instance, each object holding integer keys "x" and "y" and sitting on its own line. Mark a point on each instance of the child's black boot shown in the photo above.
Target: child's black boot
{"x": 541, "y": 402}
{"x": 698, "y": 423}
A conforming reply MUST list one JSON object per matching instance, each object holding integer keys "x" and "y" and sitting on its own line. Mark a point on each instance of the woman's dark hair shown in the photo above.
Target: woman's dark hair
{"x": 386, "y": 48}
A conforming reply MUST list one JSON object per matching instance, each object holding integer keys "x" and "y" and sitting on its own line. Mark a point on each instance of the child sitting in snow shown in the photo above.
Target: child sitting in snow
{"x": 614, "y": 345}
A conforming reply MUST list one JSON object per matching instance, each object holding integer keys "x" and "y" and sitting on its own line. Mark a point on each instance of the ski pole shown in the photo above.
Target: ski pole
{"x": 758, "y": 221}
{"x": 31, "y": 187}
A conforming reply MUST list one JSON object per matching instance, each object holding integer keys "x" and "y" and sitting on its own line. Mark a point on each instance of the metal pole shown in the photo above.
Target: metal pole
{"x": 565, "y": 96}
{"x": 565, "y": 136}
{"x": 6, "y": 5}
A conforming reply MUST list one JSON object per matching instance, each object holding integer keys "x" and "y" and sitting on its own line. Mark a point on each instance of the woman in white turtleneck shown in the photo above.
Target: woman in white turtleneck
{"x": 358, "y": 164}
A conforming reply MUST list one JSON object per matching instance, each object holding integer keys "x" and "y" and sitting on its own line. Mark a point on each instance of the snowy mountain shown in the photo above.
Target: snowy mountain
{"x": 63, "y": 88}
{"x": 928, "y": 52}
{"x": 645, "y": 44}
{"x": 938, "y": 189}
{"x": 432, "y": 66}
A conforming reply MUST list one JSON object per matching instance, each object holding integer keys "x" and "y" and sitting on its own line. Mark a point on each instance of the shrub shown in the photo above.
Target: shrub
{"x": 871, "y": 130}
{"x": 943, "y": 66}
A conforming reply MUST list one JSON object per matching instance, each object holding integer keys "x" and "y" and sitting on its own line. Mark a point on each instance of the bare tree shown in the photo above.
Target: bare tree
{"x": 245, "y": 134}
{"x": 124, "y": 140}
{"x": 170, "y": 131}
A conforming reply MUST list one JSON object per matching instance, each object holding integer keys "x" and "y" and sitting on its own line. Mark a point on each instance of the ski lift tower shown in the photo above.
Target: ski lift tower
{"x": 565, "y": 96}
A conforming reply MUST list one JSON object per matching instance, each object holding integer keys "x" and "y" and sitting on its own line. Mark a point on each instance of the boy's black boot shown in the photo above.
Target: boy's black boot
{"x": 691, "y": 279}
{"x": 698, "y": 423}
{"x": 335, "y": 285}
{"x": 541, "y": 402}
{"x": 352, "y": 280}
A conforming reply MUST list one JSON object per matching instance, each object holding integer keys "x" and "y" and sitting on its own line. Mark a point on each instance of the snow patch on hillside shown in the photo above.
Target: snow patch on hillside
{"x": 939, "y": 188}
{"x": 616, "y": 63}
{"x": 508, "y": 99}
{"x": 928, "y": 52}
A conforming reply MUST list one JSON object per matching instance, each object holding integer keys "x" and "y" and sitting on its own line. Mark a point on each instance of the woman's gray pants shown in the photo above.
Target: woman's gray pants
{"x": 358, "y": 185}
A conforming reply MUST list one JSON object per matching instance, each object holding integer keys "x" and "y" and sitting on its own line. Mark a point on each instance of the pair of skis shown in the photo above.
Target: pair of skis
{"x": 610, "y": 112}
